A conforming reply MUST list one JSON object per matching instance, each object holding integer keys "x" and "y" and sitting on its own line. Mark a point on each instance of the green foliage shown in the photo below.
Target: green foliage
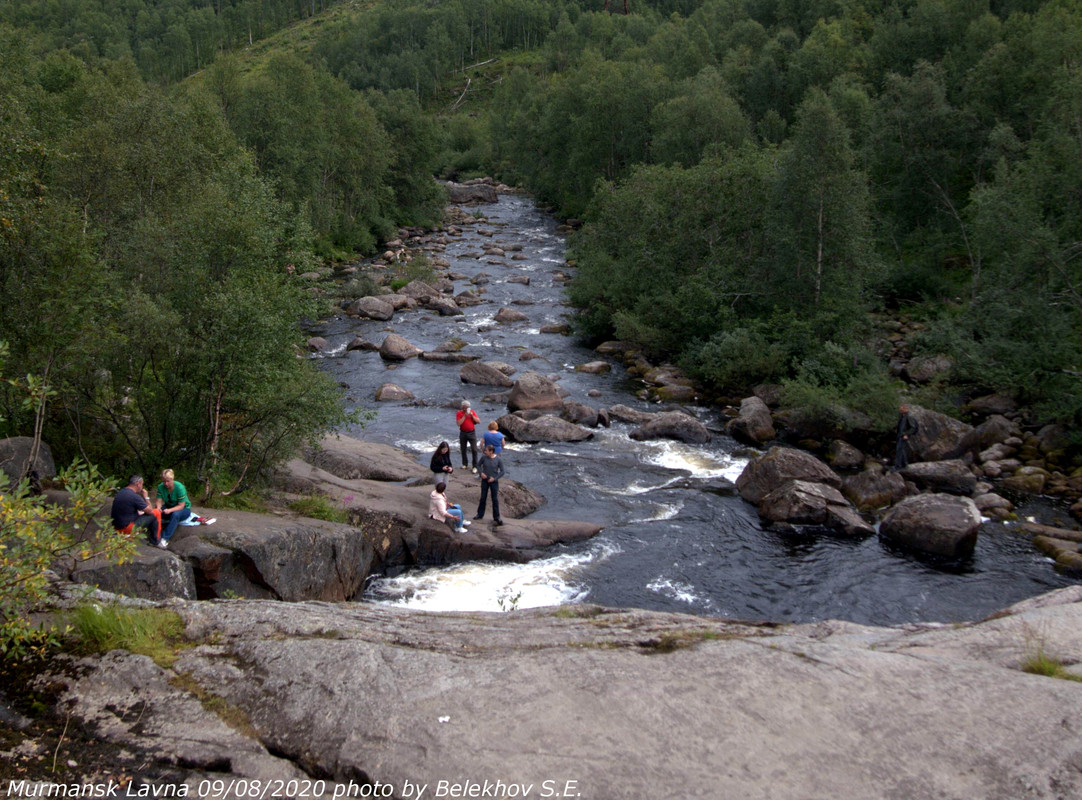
{"x": 320, "y": 507}
{"x": 33, "y": 535}
{"x": 154, "y": 632}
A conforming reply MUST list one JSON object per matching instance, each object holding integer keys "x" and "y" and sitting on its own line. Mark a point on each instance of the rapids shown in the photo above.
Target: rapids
{"x": 677, "y": 537}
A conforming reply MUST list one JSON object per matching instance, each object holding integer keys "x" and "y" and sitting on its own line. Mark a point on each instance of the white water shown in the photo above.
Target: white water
{"x": 491, "y": 587}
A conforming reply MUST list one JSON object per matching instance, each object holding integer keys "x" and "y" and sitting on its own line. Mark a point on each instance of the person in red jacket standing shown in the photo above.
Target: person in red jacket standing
{"x": 468, "y": 421}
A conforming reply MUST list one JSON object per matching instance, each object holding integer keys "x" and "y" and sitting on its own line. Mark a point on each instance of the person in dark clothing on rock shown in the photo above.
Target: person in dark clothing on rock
{"x": 132, "y": 509}
{"x": 441, "y": 464}
{"x": 490, "y": 468}
{"x": 907, "y": 426}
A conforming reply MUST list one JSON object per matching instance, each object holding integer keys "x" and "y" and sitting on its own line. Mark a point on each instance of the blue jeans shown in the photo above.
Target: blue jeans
{"x": 172, "y": 520}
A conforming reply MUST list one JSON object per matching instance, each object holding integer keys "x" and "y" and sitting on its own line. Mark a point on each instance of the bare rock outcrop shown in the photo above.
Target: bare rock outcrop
{"x": 397, "y": 348}
{"x": 534, "y": 391}
{"x": 753, "y": 425}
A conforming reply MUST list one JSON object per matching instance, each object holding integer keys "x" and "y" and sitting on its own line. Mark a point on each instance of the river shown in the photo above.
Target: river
{"x": 675, "y": 538}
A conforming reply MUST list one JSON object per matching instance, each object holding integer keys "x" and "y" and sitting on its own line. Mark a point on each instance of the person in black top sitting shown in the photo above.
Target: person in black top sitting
{"x": 441, "y": 464}
{"x": 131, "y": 509}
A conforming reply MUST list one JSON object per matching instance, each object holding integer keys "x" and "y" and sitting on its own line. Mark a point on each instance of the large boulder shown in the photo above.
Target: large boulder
{"x": 350, "y": 459}
{"x": 951, "y": 476}
{"x": 805, "y": 503}
{"x": 580, "y": 414}
{"x": 778, "y": 465}
{"x": 482, "y": 374}
{"x": 15, "y": 458}
{"x": 938, "y": 524}
{"x": 420, "y": 291}
{"x": 993, "y": 431}
{"x": 546, "y": 428}
{"x": 938, "y": 436}
{"x": 392, "y": 392}
{"x": 672, "y": 425}
{"x": 873, "y": 488}
{"x": 622, "y": 413}
{"x": 842, "y": 455}
{"x": 462, "y": 194}
{"x": 372, "y": 308}
{"x": 534, "y": 391}
{"x": 444, "y": 306}
{"x": 753, "y": 425}
{"x": 397, "y": 348}
{"x": 153, "y": 574}
{"x": 510, "y": 315}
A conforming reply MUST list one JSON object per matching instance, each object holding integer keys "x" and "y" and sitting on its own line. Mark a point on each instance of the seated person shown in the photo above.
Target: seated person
{"x": 441, "y": 463}
{"x": 441, "y": 512}
{"x": 174, "y": 505}
{"x": 131, "y": 509}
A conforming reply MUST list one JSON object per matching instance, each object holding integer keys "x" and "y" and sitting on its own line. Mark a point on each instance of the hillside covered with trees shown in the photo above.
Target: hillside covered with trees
{"x": 758, "y": 177}
{"x": 763, "y": 185}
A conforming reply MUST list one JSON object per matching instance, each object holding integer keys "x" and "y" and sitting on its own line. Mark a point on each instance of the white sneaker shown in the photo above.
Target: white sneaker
{"x": 164, "y": 545}
{"x": 465, "y": 524}
{"x": 460, "y": 529}
{"x": 475, "y": 470}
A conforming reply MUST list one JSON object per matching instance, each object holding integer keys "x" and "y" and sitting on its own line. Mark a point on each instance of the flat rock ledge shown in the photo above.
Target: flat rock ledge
{"x": 283, "y": 556}
{"x": 624, "y": 704}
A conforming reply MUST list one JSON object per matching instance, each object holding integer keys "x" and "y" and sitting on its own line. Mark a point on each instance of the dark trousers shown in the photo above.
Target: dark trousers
{"x": 494, "y": 487}
{"x": 901, "y": 454}
{"x": 150, "y": 522}
{"x": 464, "y": 438}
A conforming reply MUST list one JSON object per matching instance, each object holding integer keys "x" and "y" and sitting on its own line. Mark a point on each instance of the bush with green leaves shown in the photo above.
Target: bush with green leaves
{"x": 34, "y": 534}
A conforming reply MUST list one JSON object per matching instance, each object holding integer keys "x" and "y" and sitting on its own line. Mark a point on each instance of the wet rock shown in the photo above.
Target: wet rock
{"x": 360, "y": 343}
{"x": 580, "y": 414}
{"x": 397, "y": 348}
{"x": 806, "y": 503}
{"x": 560, "y": 328}
{"x": 842, "y": 455}
{"x": 938, "y": 524}
{"x": 317, "y": 344}
{"x": 769, "y": 393}
{"x": 372, "y": 308}
{"x": 444, "y": 306}
{"x": 453, "y": 358}
{"x": 483, "y": 374}
{"x": 672, "y": 425}
{"x": 534, "y": 391}
{"x": 779, "y": 465}
{"x": 529, "y": 355}
{"x": 392, "y": 392}
{"x": 505, "y": 315}
{"x": 503, "y": 367}
{"x": 546, "y": 428}
{"x": 622, "y": 413}
{"x": 992, "y": 505}
{"x": 594, "y": 367}
{"x": 753, "y": 425}
{"x": 400, "y": 302}
{"x": 951, "y": 476}
{"x": 873, "y": 489}
{"x": 523, "y": 279}
{"x": 468, "y": 298}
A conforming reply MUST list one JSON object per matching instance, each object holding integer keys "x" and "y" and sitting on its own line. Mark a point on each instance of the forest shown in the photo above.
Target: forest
{"x": 762, "y": 186}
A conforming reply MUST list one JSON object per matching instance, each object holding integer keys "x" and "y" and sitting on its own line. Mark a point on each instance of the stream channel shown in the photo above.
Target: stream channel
{"x": 673, "y": 541}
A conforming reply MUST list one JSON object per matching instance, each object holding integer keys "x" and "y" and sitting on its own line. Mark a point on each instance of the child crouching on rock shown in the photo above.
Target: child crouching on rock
{"x": 439, "y": 510}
